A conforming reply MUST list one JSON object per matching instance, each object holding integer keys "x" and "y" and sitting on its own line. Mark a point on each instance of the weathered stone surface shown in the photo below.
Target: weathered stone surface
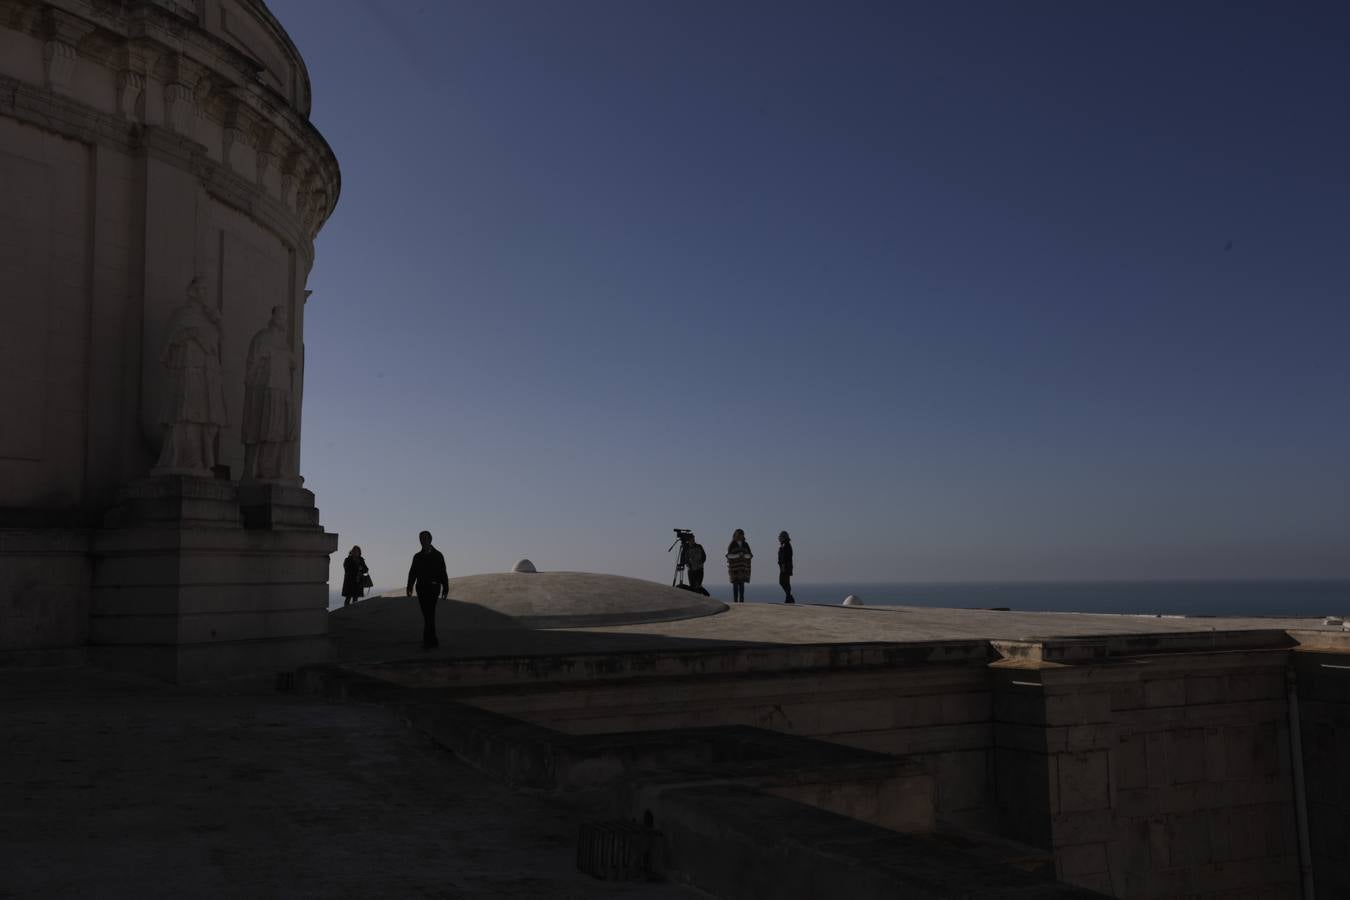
{"x": 182, "y": 591}
{"x": 44, "y": 589}
{"x": 217, "y": 793}
{"x": 544, "y": 600}
{"x": 1141, "y": 775}
{"x": 143, "y": 149}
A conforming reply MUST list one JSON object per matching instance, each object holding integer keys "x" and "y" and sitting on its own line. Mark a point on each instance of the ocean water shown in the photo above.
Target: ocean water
{"x": 1185, "y": 598}
{"x": 1175, "y": 598}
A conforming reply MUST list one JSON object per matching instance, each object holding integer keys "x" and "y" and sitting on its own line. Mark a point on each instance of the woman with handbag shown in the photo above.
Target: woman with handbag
{"x": 738, "y": 565}
{"x": 355, "y": 577}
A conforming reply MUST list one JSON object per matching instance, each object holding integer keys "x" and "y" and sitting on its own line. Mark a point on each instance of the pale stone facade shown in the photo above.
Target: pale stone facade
{"x": 143, "y": 144}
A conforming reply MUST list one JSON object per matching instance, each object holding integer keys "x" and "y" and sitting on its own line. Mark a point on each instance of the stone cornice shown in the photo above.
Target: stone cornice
{"x": 266, "y": 18}
{"x": 144, "y": 39}
{"x": 71, "y": 119}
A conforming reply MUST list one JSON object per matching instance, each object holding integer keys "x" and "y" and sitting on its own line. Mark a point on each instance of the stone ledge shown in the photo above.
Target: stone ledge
{"x": 29, "y": 105}
{"x": 192, "y": 663}
{"x": 57, "y": 541}
{"x": 1099, "y": 649}
{"x": 161, "y": 32}
{"x": 44, "y": 658}
{"x": 149, "y": 540}
{"x": 529, "y": 755}
{"x": 664, "y": 664}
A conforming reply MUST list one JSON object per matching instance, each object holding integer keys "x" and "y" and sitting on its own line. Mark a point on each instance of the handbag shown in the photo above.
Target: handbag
{"x": 366, "y": 582}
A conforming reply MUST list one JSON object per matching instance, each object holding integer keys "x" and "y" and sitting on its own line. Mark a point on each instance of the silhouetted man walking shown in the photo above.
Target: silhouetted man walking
{"x": 428, "y": 575}
{"x": 785, "y": 566}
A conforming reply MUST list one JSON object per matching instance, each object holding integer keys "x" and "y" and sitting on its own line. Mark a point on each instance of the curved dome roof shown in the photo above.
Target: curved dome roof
{"x": 552, "y": 600}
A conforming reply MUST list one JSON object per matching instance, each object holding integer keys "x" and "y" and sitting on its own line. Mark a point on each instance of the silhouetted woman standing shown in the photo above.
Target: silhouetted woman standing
{"x": 738, "y": 565}
{"x": 354, "y": 576}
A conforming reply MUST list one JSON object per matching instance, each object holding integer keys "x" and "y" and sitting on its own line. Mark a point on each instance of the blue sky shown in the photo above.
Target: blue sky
{"x": 950, "y": 291}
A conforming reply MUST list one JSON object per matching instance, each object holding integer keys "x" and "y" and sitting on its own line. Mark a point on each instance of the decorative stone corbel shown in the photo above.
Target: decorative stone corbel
{"x": 260, "y": 136}
{"x": 59, "y": 53}
{"x": 130, "y": 86}
{"x": 288, "y": 189}
{"x": 59, "y": 59}
{"x": 186, "y": 85}
{"x": 304, "y": 202}
{"x": 294, "y": 184}
{"x": 231, "y": 138}
{"x": 133, "y": 62}
{"x": 264, "y": 160}
{"x": 314, "y": 199}
{"x": 179, "y": 108}
{"x": 207, "y": 91}
{"x": 320, "y": 206}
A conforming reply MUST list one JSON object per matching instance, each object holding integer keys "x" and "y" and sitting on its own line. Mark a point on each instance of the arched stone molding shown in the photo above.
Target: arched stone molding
{"x": 164, "y": 69}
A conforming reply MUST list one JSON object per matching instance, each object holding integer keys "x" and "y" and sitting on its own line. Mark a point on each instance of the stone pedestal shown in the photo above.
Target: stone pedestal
{"x": 281, "y": 507}
{"x": 184, "y": 591}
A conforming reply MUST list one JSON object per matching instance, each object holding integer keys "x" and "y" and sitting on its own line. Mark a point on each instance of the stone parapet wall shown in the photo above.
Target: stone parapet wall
{"x": 938, "y": 714}
{"x": 736, "y": 812}
{"x": 1157, "y": 766}
{"x": 1323, "y": 673}
{"x": 1160, "y": 776}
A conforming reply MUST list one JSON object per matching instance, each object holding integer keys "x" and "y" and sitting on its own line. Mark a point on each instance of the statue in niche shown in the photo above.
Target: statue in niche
{"x": 193, "y": 411}
{"x": 269, "y": 425}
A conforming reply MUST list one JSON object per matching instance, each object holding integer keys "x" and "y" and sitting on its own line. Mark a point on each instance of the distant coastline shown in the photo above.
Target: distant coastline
{"x": 1285, "y": 597}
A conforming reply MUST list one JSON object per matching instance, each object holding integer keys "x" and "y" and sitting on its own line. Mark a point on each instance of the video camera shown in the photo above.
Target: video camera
{"x": 682, "y": 537}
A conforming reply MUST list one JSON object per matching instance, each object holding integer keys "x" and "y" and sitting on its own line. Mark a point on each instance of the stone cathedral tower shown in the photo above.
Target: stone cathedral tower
{"x": 160, "y": 189}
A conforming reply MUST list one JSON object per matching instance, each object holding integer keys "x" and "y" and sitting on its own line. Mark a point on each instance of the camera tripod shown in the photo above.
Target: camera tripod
{"x": 679, "y": 561}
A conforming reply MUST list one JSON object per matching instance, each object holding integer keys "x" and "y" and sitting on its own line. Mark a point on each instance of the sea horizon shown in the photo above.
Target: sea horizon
{"x": 1311, "y": 597}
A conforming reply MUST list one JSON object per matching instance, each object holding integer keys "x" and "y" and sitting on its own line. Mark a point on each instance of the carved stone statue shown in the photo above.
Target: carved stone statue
{"x": 193, "y": 411}
{"x": 269, "y": 424}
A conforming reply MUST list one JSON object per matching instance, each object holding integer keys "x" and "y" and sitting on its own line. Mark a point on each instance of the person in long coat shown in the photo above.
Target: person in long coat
{"x": 738, "y": 565}
{"x": 354, "y": 569}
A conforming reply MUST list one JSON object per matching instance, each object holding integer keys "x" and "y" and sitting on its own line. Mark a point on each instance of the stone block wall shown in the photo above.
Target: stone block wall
{"x": 938, "y": 716}
{"x": 45, "y": 221}
{"x": 184, "y": 591}
{"x": 44, "y": 589}
{"x": 1324, "y": 714}
{"x": 1165, "y": 776}
{"x": 1159, "y": 768}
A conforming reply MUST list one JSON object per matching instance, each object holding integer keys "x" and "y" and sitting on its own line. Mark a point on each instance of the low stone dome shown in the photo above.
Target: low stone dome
{"x": 544, "y": 600}
{"x": 524, "y": 565}
{"x": 851, "y": 600}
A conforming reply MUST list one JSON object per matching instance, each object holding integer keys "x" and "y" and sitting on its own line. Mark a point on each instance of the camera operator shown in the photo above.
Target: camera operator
{"x": 693, "y": 557}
